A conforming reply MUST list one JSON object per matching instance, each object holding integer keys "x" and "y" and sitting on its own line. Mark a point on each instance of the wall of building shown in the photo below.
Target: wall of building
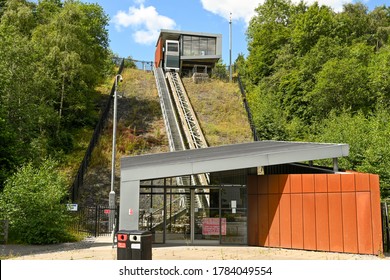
{"x": 321, "y": 212}
{"x": 158, "y": 55}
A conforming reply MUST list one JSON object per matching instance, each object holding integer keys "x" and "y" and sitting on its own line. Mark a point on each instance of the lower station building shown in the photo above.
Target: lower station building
{"x": 260, "y": 194}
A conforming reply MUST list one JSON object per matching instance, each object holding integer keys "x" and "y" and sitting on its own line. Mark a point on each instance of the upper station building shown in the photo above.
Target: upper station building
{"x": 187, "y": 52}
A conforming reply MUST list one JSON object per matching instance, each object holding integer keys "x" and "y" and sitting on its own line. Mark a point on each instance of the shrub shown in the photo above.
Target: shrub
{"x": 33, "y": 202}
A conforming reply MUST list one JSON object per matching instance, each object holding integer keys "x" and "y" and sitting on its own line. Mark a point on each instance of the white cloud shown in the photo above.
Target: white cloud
{"x": 244, "y": 9}
{"x": 145, "y": 21}
{"x": 241, "y": 10}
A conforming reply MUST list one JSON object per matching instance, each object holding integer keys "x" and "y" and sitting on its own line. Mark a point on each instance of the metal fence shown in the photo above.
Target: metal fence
{"x": 94, "y": 220}
{"x": 79, "y": 179}
{"x": 247, "y": 109}
{"x": 386, "y": 225}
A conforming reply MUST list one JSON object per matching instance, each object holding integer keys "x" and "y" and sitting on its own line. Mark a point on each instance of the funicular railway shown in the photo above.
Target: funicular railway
{"x": 184, "y": 132}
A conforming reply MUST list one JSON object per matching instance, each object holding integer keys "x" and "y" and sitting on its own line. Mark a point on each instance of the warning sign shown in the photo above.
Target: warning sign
{"x": 211, "y": 226}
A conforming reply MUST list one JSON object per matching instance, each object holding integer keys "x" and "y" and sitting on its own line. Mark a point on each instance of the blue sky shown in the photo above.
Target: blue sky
{"x": 135, "y": 24}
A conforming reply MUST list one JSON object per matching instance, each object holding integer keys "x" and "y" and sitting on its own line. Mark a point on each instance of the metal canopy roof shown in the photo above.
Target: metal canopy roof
{"x": 222, "y": 158}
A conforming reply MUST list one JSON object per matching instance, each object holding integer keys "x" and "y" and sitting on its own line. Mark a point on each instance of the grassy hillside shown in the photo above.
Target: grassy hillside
{"x": 220, "y": 111}
{"x": 140, "y": 130}
{"x": 141, "y": 127}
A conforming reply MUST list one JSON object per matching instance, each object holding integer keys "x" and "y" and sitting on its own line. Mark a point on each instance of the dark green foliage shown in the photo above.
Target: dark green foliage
{"x": 53, "y": 54}
{"x": 33, "y": 201}
{"x": 314, "y": 74}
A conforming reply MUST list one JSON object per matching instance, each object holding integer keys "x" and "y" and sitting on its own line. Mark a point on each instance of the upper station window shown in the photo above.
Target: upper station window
{"x": 198, "y": 46}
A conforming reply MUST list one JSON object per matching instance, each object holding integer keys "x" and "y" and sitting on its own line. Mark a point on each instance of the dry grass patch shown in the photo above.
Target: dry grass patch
{"x": 220, "y": 111}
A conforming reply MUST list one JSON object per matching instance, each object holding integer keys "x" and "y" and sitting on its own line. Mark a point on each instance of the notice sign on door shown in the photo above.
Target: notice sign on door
{"x": 210, "y": 226}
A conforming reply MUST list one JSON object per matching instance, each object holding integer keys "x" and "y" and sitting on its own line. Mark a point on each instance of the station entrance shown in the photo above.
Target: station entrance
{"x": 195, "y": 215}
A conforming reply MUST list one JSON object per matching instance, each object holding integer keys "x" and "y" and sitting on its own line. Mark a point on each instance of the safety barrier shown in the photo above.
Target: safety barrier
{"x": 79, "y": 179}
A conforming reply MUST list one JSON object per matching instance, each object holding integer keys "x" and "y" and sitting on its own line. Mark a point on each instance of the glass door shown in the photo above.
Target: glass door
{"x": 207, "y": 224}
{"x": 177, "y": 225}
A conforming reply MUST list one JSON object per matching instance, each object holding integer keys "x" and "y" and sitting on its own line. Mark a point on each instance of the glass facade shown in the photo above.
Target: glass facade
{"x": 194, "y": 214}
{"x": 198, "y": 46}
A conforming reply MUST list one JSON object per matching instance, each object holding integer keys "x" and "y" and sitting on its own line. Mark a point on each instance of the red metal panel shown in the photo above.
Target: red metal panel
{"x": 321, "y": 183}
{"x": 285, "y": 220}
{"x": 362, "y": 181}
{"x": 262, "y": 184}
{"x": 308, "y": 183}
{"x": 336, "y": 241}
{"x": 253, "y": 221}
{"x": 263, "y": 224}
{"x": 284, "y": 184}
{"x": 376, "y": 214}
{"x": 252, "y": 184}
{"x": 348, "y": 183}
{"x": 349, "y": 221}
{"x": 322, "y": 221}
{"x": 274, "y": 220}
{"x": 158, "y": 53}
{"x": 364, "y": 223}
{"x": 297, "y": 221}
{"x": 296, "y": 183}
{"x": 334, "y": 183}
{"x": 309, "y": 221}
{"x": 273, "y": 184}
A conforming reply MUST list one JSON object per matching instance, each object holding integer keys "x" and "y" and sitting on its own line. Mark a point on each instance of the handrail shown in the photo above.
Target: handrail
{"x": 247, "y": 109}
{"x": 79, "y": 179}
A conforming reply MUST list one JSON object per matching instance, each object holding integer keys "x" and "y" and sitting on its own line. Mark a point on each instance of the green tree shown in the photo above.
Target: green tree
{"x": 380, "y": 76}
{"x": 268, "y": 31}
{"x": 33, "y": 202}
{"x": 308, "y": 27}
{"x": 74, "y": 46}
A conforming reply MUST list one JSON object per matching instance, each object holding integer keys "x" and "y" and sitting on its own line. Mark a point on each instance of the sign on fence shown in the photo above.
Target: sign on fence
{"x": 72, "y": 207}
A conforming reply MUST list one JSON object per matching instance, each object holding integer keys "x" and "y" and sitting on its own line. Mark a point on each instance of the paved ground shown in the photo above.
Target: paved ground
{"x": 101, "y": 249}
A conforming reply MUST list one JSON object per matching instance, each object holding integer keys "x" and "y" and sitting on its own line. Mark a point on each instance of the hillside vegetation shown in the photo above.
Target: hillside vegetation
{"x": 316, "y": 75}
{"x": 220, "y": 111}
{"x": 140, "y": 130}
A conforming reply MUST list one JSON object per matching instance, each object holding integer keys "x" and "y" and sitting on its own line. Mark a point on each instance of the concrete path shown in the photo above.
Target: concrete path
{"x": 101, "y": 249}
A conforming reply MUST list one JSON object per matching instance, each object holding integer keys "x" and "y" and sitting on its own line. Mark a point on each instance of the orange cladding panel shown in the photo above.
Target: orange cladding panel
{"x": 262, "y": 184}
{"x": 284, "y": 184}
{"x": 274, "y": 222}
{"x": 297, "y": 221}
{"x": 273, "y": 184}
{"x": 321, "y": 183}
{"x": 349, "y": 222}
{"x": 362, "y": 181}
{"x": 253, "y": 221}
{"x": 263, "y": 224}
{"x": 376, "y": 214}
{"x": 252, "y": 184}
{"x": 364, "y": 223}
{"x": 296, "y": 183}
{"x": 285, "y": 220}
{"x": 348, "y": 183}
{"x": 309, "y": 222}
{"x": 334, "y": 183}
{"x": 336, "y": 241}
{"x": 322, "y": 221}
{"x": 308, "y": 183}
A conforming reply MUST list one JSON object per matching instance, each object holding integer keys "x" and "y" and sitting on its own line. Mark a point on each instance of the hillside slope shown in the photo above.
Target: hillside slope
{"x": 220, "y": 111}
{"x": 140, "y": 130}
